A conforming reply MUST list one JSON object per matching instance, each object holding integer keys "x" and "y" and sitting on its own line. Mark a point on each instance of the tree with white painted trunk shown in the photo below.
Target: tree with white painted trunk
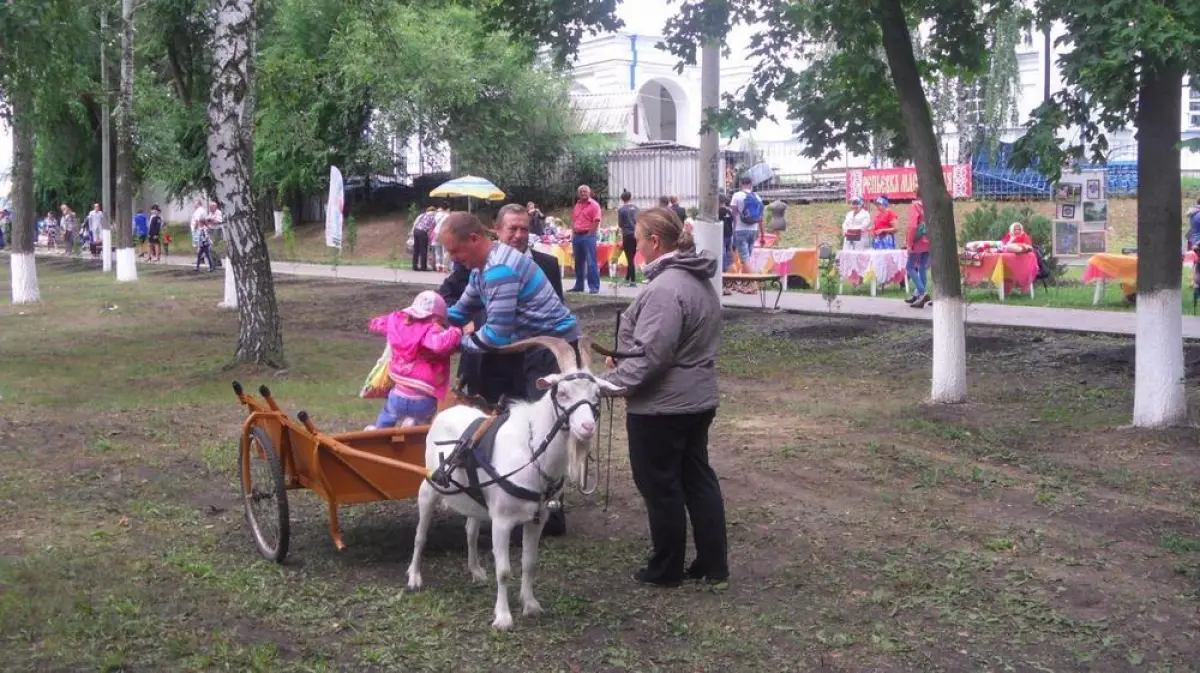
{"x": 24, "y": 219}
{"x": 123, "y": 212}
{"x": 1129, "y": 68}
{"x": 840, "y": 98}
{"x": 230, "y": 156}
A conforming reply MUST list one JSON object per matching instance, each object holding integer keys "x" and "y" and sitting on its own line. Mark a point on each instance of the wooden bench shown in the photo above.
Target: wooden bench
{"x": 762, "y": 280}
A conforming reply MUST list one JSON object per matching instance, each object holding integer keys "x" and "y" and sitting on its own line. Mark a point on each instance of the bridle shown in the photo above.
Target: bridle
{"x": 562, "y": 417}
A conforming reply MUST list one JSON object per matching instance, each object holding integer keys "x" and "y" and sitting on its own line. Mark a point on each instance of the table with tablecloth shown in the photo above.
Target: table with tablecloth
{"x": 566, "y": 258}
{"x": 611, "y": 251}
{"x": 784, "y": 262}
{"x": 1005, "y": 270}
{"x": 1105, "y": 267}
{"x": 872, "y": 266}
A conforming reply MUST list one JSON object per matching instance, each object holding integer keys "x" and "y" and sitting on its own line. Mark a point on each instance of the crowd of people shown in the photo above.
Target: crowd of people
{"x": 65, "y": 232}
{"x": 862, "y": 231}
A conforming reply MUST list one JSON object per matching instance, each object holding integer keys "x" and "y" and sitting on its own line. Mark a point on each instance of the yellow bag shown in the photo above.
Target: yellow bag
{"x": 379, "y": 381}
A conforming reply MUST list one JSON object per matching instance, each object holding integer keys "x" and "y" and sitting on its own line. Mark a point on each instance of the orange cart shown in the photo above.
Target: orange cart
{"x": 278, "y": 454}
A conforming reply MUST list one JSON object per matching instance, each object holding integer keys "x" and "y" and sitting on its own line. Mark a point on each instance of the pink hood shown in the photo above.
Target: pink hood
{"x": 421, "y": 351}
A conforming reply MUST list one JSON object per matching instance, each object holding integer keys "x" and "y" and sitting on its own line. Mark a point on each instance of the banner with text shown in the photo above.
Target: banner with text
{"x": 901, "y": 183}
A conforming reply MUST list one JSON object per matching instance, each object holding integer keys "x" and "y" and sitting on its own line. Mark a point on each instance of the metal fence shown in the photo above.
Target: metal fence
{"x": 650, "y": 172}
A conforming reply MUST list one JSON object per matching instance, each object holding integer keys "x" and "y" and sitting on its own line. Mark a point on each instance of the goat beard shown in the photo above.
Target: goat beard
{"x": 577, "y": 453}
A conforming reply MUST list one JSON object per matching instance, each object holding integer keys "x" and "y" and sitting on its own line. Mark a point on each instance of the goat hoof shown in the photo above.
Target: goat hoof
{"x": 532, "y": 609}
{"x": 414, "y": 585}
{"x": 502, "y": 623}
{"x": 479, "y": 575}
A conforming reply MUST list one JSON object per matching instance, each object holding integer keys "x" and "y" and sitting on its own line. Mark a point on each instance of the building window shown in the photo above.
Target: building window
{"x": 1194, "y": 102}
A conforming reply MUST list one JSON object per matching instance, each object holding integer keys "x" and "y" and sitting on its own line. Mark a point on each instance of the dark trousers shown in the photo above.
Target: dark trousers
{"x": 420, "y": 260}
{"x": 629, "y": 245}
{"x": 205, "y": 253}
{"x": 511, "y": 375}
{"x": 669, "y": 459}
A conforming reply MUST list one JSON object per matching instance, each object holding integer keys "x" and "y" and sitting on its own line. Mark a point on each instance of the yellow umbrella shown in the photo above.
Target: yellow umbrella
{"x": 469, "y": 186}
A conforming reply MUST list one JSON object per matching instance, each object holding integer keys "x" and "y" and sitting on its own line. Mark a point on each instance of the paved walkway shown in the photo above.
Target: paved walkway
{"x": 1059, "y": 319}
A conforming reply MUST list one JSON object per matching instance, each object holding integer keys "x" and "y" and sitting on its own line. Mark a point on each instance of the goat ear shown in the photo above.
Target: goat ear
{"x": 609, "y": 388}
{"x": 546, "y": 382}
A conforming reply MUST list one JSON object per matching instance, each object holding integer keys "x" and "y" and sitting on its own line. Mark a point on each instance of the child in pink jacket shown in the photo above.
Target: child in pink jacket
{"x": 420, "y": 369}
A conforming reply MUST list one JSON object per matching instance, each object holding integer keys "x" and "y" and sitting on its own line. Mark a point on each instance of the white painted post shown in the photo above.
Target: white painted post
{"x": 710, "y": 236}
{"x": 106, "y": 250}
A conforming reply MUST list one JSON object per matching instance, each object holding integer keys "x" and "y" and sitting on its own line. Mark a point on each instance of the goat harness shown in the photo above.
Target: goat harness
{"x": 476, "y": 445}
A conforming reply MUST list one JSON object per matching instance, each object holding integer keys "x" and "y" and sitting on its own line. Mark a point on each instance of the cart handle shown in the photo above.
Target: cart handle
{"x": 307, "y": 421}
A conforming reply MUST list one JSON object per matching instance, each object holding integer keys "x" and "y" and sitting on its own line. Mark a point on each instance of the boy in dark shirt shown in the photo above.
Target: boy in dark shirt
{"x": 627, "y": 221}
{"x": 725, "y": 214}
{"x": 154, "y": 235}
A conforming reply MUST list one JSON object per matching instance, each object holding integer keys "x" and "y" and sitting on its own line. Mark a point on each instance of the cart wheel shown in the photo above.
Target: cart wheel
{"x": 265, "y": 495}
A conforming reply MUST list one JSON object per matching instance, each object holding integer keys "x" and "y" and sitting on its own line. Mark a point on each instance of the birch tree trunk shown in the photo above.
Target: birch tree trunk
{"x": 123, "y": 213}
{"x": 230, "y": 156}
{"x": 949, "y": 310}
{"x": 1159, "y": 397}
{"x": 24, "y": 227}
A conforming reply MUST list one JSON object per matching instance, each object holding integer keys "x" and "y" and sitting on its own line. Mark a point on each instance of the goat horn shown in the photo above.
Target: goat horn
{"x": 563, "y": 353}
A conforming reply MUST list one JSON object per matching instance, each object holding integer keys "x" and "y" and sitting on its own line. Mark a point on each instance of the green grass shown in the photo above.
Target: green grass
{"x": 867, "y": 531}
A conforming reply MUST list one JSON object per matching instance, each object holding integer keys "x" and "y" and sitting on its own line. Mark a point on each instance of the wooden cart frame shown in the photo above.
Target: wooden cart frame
{"x": 277, "y": 454}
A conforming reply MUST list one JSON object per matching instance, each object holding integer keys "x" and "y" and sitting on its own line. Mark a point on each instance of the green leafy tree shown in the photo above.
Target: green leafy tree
{"x": 33, "y": 58}
{"x": 1125, "y": 65}
{"x": 841, "y": 101}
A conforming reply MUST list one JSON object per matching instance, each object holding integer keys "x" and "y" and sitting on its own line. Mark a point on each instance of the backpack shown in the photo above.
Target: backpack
{"x": 752, "y": 209}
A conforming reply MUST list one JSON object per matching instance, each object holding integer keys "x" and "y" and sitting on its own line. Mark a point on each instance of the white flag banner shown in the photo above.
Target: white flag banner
{"x": 333, "y": 209}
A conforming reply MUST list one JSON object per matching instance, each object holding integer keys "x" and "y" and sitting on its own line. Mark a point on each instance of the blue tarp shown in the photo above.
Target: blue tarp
{"x": 992, "y": 178}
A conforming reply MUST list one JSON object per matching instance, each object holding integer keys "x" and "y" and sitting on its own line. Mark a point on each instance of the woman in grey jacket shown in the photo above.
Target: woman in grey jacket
{"x": 671, "y": 399}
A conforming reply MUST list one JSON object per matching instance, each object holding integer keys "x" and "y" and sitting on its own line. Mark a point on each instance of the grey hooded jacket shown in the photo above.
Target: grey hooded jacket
{"x": 676, "y": 321}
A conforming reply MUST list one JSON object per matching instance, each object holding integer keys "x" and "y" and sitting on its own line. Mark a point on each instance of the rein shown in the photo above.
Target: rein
{"x": 562, "y": 418}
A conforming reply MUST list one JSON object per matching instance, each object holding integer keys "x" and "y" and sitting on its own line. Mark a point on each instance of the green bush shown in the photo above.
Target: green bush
{"x": 990, "y": 223}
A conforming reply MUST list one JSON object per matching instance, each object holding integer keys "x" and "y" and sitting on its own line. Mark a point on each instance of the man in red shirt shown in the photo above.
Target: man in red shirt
{"x": 585, "y": 222}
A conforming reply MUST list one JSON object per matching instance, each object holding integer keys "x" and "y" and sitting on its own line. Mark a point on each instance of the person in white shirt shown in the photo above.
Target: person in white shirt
{"x": 747, "y": 220}
{"x": 199, "y": 215}
{"x": 437, "y": 253}
{"x": 856, "y": 228}
{"x": 97, "y": 221}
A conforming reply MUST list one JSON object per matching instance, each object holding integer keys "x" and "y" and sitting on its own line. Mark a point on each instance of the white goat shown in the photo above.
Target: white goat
{"x": 539, "y": 444}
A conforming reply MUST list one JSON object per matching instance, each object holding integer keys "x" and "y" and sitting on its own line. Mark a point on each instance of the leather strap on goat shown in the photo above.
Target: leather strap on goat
{"x": 478, "y": 443}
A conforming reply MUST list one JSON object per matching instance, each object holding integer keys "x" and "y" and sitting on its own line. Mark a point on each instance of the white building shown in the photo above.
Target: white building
{"x": 625, "y": 85}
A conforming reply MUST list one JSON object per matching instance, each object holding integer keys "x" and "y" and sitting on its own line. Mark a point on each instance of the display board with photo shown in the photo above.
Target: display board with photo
{"x": 1066, "y": 238}
{"x": 1068, "y": 192}
{"x": 1095, "y": 211}
{"x": 1093, "y": 242}
{"x": 1094, "y": 189}
{"x": 1068, "y": 211}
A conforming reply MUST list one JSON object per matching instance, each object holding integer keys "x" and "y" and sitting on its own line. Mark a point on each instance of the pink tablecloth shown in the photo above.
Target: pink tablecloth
{"x": 1015, "y": 269}
{"x": 887, "y": 266}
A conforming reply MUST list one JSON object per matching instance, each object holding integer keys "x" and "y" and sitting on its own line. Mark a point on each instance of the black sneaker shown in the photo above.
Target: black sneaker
{"x": 694, "y": 573}
{"x": 642, "y": 576}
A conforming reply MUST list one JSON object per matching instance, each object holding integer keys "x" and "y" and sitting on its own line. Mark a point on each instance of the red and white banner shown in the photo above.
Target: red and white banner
{"x": 901, "y": 183}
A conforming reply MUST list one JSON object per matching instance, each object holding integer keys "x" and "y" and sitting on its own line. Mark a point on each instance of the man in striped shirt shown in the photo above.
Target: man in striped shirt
{"x": 514, "y": 293}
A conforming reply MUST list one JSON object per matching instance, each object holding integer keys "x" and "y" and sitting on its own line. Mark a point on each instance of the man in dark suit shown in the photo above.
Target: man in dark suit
{"x": 504, "y": 374}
